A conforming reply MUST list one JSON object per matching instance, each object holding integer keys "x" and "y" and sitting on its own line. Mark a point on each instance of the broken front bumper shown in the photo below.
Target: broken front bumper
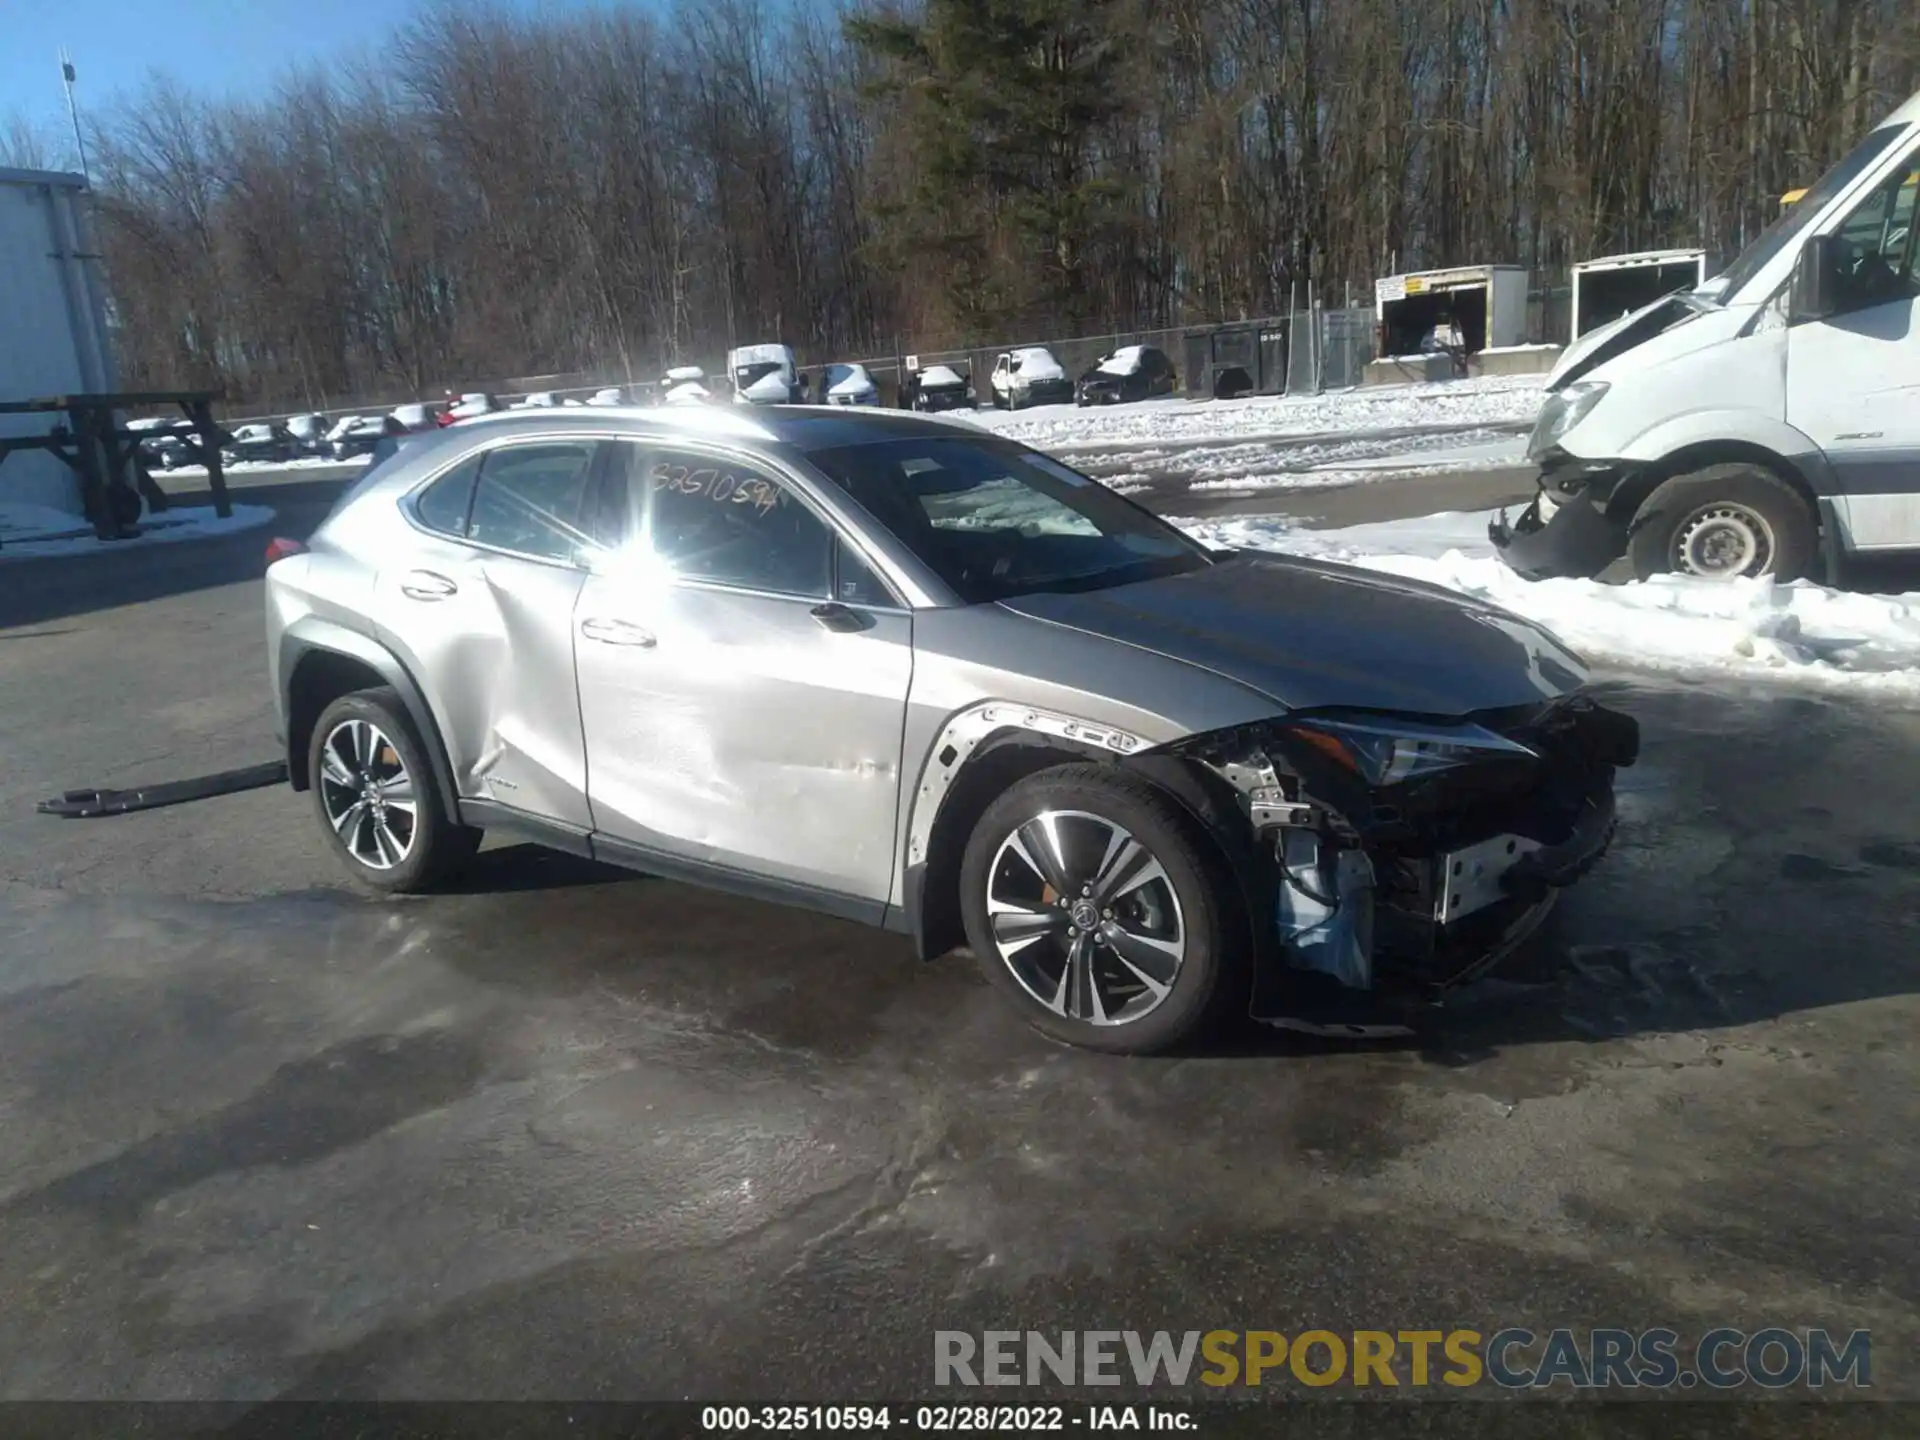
{"x": 1394, "y": 895}
{"x": 1569, "y": 538}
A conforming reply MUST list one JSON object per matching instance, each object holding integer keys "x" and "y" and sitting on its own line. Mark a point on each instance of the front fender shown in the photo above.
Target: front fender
{"x": 1722, "y": 427}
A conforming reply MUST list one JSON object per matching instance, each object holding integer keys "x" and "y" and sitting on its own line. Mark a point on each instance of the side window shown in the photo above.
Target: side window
{"x": 529, "y": 499}
{"x": 720, "y": 520}
{"x": 444, "y": 504}
{"x": 1879, "y": 262}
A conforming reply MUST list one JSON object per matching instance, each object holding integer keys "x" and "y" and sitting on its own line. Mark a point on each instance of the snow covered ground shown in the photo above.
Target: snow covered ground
{"x": 1245, "y": 469}
{"x": 1801, "y": 633}
{"x": 259, "y": 467}
{"x": 29, "y": 531}
{"x": 1504, "y": 399}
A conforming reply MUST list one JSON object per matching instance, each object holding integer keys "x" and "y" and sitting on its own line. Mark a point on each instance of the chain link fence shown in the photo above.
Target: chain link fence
{"x": 1308, "y": 350}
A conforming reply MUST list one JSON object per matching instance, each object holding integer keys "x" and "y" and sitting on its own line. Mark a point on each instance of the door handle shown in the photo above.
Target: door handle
{"x": 425, "y": 585}
{"x": 838, "y": 618}
{"x": 617, "y": 632}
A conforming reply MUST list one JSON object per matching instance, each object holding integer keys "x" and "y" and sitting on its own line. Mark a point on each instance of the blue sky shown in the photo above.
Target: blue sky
{"x": 215, "y": 48}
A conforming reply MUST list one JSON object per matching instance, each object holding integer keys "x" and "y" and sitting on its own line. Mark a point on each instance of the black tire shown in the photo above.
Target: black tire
{"x": 1209, "y": 973}
{"x": 1788, "y": 535}
{"x": 436, "y": 844}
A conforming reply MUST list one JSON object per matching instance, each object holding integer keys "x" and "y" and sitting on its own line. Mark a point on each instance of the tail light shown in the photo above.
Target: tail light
{"x": 280, "y": 548}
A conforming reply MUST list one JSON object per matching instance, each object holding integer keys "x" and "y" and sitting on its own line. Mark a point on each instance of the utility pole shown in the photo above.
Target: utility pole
{"x": 73, "y": 114}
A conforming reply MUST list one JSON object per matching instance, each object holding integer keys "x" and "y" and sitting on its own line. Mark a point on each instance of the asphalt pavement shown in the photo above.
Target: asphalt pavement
{"x": 569, "y": 1132}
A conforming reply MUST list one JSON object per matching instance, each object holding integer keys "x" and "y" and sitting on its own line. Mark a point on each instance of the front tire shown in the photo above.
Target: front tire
{"x": 374, "y": 791}
{"x": 1094, "y": 902}
{"x": 1723, "y": 522}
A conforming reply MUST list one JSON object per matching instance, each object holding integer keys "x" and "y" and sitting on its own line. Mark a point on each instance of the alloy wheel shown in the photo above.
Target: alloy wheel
{"x": 1085, "y": 918}
{"x": 1724, "y": 540}
{"x": 368, "y": 794}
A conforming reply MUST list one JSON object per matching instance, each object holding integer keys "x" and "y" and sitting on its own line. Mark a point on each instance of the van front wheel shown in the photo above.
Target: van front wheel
{"x": 1721, "y": 523}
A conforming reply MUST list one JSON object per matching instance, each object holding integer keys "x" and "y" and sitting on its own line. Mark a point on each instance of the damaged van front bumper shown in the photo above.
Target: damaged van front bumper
{"x": 1566, "y": 530}
{"x": 1386, "y": 890}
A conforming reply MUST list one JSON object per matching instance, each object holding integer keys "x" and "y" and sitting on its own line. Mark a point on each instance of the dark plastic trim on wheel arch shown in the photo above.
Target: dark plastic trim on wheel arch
{"x": 1219, "y": 818}
{"x": 1830, "y": 546}
{"x": 648, "y": 861}
{"x": 327, "y": 638}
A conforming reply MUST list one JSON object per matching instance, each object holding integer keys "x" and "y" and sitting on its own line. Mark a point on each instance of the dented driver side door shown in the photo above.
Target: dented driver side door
{"x": 480, "y": 609}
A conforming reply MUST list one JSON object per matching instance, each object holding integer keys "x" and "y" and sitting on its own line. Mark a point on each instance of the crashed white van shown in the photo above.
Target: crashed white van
{"x": 1766, "y": 423}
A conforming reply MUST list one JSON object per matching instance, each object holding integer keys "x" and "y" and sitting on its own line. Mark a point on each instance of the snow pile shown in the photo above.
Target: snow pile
{"x": 31, "y": 531}
{"x": 1803, "y": 632}
{"x": 1490, "y": 400}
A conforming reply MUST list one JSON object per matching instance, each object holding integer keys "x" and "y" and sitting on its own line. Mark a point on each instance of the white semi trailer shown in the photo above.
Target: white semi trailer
{"x": 54, "y": 338}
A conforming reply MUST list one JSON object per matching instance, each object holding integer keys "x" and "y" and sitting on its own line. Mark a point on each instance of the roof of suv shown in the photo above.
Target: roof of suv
{"x": 806, "y": 427}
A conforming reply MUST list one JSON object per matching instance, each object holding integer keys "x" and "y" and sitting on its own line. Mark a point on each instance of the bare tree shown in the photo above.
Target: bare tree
{"x": 508, "y": 194}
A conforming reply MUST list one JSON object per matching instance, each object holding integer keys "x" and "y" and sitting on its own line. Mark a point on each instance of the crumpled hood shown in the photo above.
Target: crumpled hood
{"x": 1309, "y": 634}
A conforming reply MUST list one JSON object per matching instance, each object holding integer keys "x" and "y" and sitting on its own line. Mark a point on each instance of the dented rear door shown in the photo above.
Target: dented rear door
{"x": 480, "y": 609}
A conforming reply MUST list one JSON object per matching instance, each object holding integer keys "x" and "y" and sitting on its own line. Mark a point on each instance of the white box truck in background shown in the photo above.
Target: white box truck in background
{"x": 53, "y": 323}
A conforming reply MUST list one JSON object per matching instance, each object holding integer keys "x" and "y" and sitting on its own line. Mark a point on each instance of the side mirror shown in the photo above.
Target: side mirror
{"x": 1816, "y": 280}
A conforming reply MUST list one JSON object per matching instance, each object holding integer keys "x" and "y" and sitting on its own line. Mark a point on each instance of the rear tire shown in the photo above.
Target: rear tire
{"x": 375, "y": 795}
{"x": 1722, "y": 522}
{"x": 1140, "y": 968}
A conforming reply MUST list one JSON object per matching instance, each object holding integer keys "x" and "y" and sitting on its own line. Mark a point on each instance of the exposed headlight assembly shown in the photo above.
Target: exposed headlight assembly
{"x": 1386, "y": 751}
{"x": 1564, "y": 410}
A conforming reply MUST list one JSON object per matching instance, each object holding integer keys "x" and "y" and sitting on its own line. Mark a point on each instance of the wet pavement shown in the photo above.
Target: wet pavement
{"x": 574, "y": 1133}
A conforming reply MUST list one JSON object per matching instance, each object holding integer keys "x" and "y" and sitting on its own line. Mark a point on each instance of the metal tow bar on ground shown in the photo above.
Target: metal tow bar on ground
{"x": 91, "y": 804}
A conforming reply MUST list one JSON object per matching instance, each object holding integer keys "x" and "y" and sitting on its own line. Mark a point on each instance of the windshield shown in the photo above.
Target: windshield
{"x": 746, "y": 375}
{"x": 1785, "y": 230}
{"x": 994, "y": 520}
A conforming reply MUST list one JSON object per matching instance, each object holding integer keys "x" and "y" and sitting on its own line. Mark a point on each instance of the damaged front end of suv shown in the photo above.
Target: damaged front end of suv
{"x": 1399, "y": 857}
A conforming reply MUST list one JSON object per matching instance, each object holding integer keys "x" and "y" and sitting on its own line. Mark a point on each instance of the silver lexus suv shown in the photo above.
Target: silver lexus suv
{"x": 900, "y": 670}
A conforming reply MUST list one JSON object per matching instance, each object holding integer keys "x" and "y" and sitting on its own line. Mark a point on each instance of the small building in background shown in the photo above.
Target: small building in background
{"x": 1431, "y": 323}
{"x": 1604, "y": 289}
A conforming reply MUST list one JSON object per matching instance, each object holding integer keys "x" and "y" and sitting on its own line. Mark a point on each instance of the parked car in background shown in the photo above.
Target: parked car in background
{"x": 1029, "y": 376}
{"x": 1152, "y": 786}
{"x": 1133, "y": 372}
{"x": 309, "y": 434}
{"x": 766, "y": 375}
{"x": 938, "y": 387}
{"x": 468, "y": 406}
{"x": 356, "y": 435}
{"x": 417, "y": 415}
{"x": 538, "y": 400}
{"x": 848, "y": 385}
{"x": 611, "y": 395}
{"x": 259, "y": 443}
{"x": 164, "y": 441}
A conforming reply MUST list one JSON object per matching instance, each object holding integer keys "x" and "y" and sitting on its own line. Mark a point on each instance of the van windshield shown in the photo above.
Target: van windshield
{"x": 1798, "y": 216}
